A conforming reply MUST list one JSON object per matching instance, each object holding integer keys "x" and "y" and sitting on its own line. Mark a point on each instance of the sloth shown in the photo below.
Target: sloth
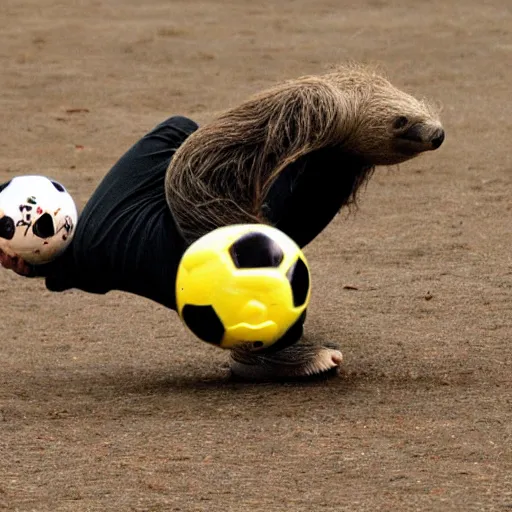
{"x": 293, "y": 156}
{"x": 322, "y": 135}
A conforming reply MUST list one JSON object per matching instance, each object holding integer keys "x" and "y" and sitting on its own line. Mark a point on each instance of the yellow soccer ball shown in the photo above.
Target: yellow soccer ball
{"x": 243, "y": 284}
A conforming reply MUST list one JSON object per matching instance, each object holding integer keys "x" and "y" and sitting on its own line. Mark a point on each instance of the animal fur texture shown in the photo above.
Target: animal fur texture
{"x": 223, "y": 172}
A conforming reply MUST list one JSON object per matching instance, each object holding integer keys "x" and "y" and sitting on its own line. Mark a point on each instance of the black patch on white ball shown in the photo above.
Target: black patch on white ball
{"x": 7, "y": 228}
{"x": 256, "y": 250}
{"x": 204, "y": 323}
{"x": 43, "y": 227}
{"x": 58, "y": 186}
{"x": 4, "y": 185}
{"x": 298, "y": 276}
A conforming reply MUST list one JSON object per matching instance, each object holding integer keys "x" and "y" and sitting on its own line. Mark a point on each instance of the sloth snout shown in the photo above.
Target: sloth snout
{"x": 423, "y": 134}
{"x": 438, "y": 138}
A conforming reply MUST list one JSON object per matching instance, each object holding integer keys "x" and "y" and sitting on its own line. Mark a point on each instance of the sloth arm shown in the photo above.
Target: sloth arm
{"x": 309, "y": 193}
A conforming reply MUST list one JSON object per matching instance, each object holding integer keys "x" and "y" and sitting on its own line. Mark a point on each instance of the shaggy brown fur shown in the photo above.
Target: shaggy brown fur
{"x": 224, "y": 171}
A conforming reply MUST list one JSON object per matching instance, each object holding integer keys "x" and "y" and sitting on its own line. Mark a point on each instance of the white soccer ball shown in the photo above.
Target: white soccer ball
{"x": 37, "y": 218}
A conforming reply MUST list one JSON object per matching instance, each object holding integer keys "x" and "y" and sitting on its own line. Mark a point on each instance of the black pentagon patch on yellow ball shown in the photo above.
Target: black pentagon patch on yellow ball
{"x": 43, "y": 227}
{"x": 204, "y": 323}
{"x": 256, "y": 250}
{"x": 298, "y": 275}
{"x": 291, "y": 336}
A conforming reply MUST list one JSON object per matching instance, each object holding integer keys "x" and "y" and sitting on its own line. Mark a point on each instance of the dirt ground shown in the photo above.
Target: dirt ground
{"x": 107, "y": 404}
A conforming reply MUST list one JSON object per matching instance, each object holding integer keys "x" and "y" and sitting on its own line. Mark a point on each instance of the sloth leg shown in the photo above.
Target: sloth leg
{"x": 291, "y": 357}
{"x": 302, "y": 202}
{"x": 302, "y": 360}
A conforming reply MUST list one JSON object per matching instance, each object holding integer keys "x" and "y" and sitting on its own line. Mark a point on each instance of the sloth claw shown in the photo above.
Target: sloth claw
{"x": 303, "y": 360}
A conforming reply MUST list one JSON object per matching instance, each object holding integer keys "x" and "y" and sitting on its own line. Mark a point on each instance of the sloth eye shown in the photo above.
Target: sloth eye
{"x": 400, "y": 122}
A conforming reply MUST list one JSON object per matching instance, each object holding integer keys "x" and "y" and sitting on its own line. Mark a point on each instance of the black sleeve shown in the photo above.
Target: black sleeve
{"x": 126, "y": 238}
{"x": 309, "y": 193}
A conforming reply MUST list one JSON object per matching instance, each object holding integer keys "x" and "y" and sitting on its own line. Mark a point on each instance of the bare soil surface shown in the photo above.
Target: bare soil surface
{"x": 108, "y": 404}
